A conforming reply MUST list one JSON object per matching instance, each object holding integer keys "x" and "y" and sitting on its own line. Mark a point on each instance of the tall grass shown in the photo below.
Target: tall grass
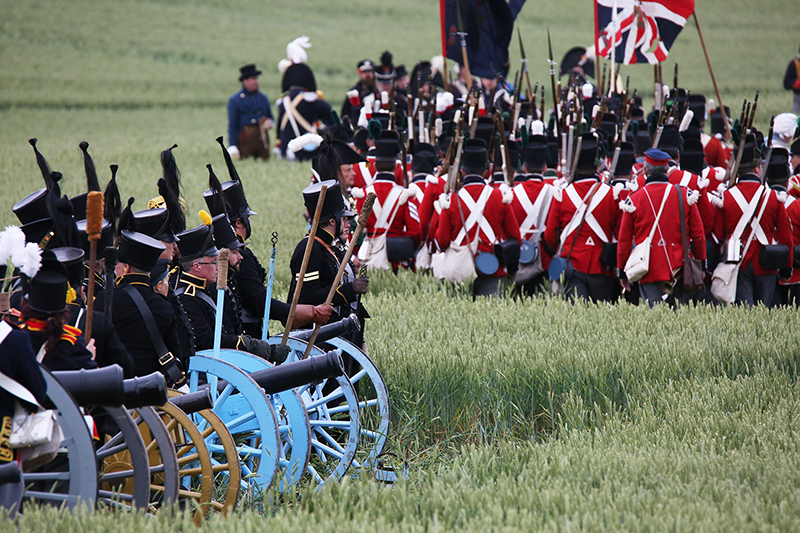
{"x": 508, "y": 414}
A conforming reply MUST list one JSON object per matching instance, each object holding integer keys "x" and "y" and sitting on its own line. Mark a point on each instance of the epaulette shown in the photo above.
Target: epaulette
{"x": 692, "y": 196}
{"x": 628, "y": 205}
{"x": 70, "y": 334}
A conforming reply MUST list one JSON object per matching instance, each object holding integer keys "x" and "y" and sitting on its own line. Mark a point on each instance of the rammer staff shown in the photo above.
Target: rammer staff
{"x": 304, "y": 265}
{"x": 222, "y": 285}
{"x": 270, "y": 283}
{"x": 366, "y": 209}
{"x": 94, "y": 228}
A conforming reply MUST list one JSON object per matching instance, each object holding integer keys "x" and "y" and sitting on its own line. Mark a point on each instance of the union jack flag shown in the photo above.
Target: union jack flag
{"x": 642, "y": 30}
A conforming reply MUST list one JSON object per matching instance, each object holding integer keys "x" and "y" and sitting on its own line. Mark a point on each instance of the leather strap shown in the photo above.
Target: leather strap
{"x": 169, "y": 365}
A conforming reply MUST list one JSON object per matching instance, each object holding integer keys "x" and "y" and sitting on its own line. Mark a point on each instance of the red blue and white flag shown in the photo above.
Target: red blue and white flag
{"x": 641, "y": 31}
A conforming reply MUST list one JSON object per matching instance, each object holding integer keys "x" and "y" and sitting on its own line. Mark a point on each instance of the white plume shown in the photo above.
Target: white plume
{"x": 296, "y": 50}
{"x": 307, "y": 141}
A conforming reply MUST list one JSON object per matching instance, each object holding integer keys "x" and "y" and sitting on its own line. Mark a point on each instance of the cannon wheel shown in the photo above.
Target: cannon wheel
{"x": 336, "y": 426}
{"x": 213, "y": 429}
{"x": 164, "y": 482}
{"x": 249, "y": 414}
{"x": 373, "y": 402}
{"x": 192, "y": 457}
{"x": 293, "y": 423}
{"x": 126, "y": 468}
{"x": 81, "y": 478}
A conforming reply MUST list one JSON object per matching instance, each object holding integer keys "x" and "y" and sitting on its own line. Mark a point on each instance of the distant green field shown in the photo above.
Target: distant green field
{"x": 532, "y": 415}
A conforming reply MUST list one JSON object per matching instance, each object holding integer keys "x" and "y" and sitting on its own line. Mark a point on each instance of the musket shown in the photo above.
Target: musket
{"x": 461, "y": 33}
{"x": 472, "y": 111}
{"x": 498, "y": 118}
{"x": 769, "y": 146}
{"x": 553, "y": 83}
{"x": 675, "y": 77}
{"x": 458, "y": 140}
{"x": 753, "y": 112}
{"x": 493, "y": 137}
{"x": 525, "y": 64}
{"x": 657, "y": 88}
{"x": 614, "y": 160}
{"x": 542, "y": 105}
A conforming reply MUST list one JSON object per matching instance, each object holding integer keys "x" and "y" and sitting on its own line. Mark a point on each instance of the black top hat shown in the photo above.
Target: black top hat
{"x": 106, "y": 235}
{"x": 72, "y": 259}
{"x": 576, "y": 57}
{"x": 234, "y": 198}
{"x": 47, "y": 290}
{"x": 625, "y": 160}
{"x": 196, "y": 243}
{"x": 717, "y": 124}
{"x": 424, "y": 158}
{"x": 587, "y": 160}
{"x": 248, "y": 71}
{"x": 473, "y": 159}
{"x": 334, "y": 202}
{"x": 400, "y": 71}
{"x": 697, "y": 103}
{"x": 534, "y": 156}
{"x": 386, "y": 149}
{"x": 154, "y": 223}
{"x": 347, "y": 156}
{"x": 692, "y": 156}
{"x": 750, "y": 151}
{"x": 37, "y": 230}
{"x": 423, "y": 72}
{"x": 552, "y": 152}
{"x": 360, "y": 139}
{"x": 224, "y": 235}
{"x": 642, "y": 142}
{"x": 33, "y": 207}
{"x": 139, "y": 250}
{"x": 474, "y": 143}
{"x": 513, "y": 156}
{"x": 670, "y": 138}
{"x": 79, "y": 206}
{"x": 298, "y": 75}
{"x": 778, "y": 169}
{"x": 383, "y": 76}
{"x": 609, "y": 124}
{"x": 484, "y": 129}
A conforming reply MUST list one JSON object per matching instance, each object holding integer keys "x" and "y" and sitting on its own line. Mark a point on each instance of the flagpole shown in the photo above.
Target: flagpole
{"x": 613, "y": 45}
{"x": 713, "y": 79}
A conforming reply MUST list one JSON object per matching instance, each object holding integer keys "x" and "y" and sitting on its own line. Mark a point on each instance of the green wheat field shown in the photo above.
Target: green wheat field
{"x": 507, "y": 415}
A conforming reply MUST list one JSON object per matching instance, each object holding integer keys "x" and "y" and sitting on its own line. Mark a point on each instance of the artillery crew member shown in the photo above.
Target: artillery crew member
{"x": 197, "y": 292}
{"x": 323, "y": 263}
{"x": 145, "y": 321}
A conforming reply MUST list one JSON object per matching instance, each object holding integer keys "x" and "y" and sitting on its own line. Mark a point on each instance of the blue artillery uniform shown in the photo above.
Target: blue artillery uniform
{"x": 311, "y": 108}
{"x": 246, "y": 108}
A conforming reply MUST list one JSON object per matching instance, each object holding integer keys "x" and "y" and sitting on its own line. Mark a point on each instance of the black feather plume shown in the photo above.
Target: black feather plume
{"x": 112, "y": 202}
{"x": 219, "y": 203}
{"x": 126, "y": 220}
{"x": 92, "y": 183}
{"x": 171, "y": 173}
{"x": 228, "y": 161}
{"x": 66, "y": 230}
{"x": 42, "y": 162}
{"x": 177, "y": 220}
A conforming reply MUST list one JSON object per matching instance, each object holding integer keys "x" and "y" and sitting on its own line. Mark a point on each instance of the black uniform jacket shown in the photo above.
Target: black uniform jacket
{"x": 323, "y": 265}
{"x": 108, "y": 347}
{"x": 199, "y": 299}
{"x": 130, "y": 325}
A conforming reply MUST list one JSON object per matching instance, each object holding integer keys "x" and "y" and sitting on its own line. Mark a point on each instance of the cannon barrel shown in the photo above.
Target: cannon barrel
{"x": 100, "y": 386}
{"x": 106, "y": 387}
{"x": 145, "y": 391}
{"x": 194, "y": 401}
{"x": 290, "y": 375}
{"x": 329, "y": 331}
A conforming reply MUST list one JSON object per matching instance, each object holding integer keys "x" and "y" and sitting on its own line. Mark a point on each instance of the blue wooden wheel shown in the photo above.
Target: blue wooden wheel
{"x": 292, "y": 419}
{"x": 333, "y": 413}
{"x": 248, "y": 413}
{"x": 373, "y": 401}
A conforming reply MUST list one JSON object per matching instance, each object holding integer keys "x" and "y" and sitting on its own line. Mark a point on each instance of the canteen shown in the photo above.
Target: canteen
{"x": 486, "y": 264}
{"x": 560, "y": 266}
{"x": 528, "y": 252}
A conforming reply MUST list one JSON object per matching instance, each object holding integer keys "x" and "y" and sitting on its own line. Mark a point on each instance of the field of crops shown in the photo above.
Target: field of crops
{"x": 533, "y": 414}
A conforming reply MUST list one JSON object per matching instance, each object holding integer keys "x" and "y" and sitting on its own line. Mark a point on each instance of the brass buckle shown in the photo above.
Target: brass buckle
{"x": 166, "y": 359}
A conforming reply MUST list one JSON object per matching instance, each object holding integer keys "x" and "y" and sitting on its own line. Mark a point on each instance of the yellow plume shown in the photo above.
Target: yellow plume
{"x": 205, "y": 217}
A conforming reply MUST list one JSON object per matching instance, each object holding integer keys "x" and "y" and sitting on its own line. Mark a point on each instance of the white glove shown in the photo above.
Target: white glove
{"x": 233, "y": 151}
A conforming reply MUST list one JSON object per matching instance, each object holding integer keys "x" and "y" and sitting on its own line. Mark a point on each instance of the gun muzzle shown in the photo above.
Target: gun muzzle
{"x": 145, "y": 391}
{"x": 89, "y": 388}
{"x": 194, "y": 401}
{"x": 329, "y": 331}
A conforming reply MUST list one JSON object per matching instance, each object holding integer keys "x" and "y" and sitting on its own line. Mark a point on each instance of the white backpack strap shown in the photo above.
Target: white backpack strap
{"x": 748, "y": 209}
{"x": 388, "y": 206}
{"x": 9, "y": 384}
{"x": 590, "y": 219}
